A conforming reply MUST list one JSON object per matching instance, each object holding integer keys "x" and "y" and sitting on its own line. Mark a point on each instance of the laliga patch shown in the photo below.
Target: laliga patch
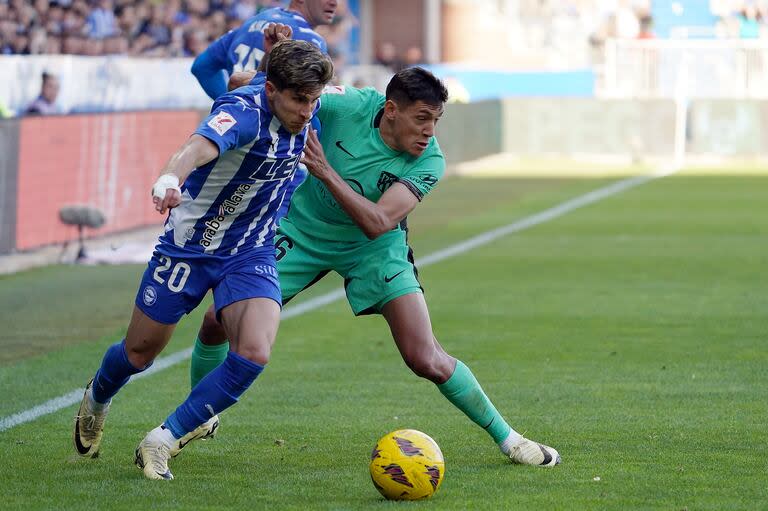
{"x": 222, "y": 122}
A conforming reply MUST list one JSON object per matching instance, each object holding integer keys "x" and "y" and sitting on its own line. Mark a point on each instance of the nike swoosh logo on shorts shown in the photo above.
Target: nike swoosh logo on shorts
{"x": 389, "y": 279}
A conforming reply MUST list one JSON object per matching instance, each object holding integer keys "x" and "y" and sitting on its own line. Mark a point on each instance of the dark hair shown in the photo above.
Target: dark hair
{"x": 416, "y": 84}
{"x": 298, "y": 65}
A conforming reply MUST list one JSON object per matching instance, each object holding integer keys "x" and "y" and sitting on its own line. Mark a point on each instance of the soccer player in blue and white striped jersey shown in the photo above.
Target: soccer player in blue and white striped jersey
{"x": 243, "y": 49}
{"x": 234, "y": 171}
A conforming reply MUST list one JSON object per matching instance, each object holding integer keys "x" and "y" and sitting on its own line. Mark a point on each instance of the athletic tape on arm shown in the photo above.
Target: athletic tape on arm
{"x": 164, "y": 183}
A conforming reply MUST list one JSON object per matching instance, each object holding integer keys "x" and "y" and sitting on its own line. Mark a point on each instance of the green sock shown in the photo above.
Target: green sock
{"x": 463, "y": 391}
{"x": 205, "y": 359}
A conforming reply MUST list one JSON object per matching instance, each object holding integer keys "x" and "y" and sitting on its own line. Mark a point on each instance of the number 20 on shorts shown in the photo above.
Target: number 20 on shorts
{"x": 179, "y": 275}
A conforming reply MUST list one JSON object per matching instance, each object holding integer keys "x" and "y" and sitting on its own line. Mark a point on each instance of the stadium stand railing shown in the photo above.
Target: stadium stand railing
{"x": 695, "y": 68}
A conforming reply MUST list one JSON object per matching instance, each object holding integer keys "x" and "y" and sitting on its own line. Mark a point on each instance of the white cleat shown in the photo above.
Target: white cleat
{"x": 89, "y": 424}
{"x": 528, "y": 452}
{"x": 204, "y": 431}
{"x": 153, "y": 453}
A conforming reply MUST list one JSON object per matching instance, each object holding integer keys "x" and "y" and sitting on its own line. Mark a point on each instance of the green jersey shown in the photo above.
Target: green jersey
{"x": 353, "y": 146}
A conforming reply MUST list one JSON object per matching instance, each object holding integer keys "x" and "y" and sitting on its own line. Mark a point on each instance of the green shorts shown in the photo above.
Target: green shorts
{"x": 374, "y": 272}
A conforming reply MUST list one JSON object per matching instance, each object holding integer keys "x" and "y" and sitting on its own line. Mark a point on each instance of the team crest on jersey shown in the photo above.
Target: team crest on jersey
{"x": 222, "y": 123}
{"x": 385, "y": 181}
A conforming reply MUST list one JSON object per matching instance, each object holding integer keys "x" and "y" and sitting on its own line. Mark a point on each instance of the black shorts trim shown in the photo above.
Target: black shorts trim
{"x": 314, "y": 281}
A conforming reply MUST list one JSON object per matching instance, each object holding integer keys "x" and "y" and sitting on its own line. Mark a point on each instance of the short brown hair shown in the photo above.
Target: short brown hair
{"x": 298, "y": 65}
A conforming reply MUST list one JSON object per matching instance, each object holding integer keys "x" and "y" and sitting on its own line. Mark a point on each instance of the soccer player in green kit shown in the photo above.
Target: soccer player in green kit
{"x": 375, "y": 160}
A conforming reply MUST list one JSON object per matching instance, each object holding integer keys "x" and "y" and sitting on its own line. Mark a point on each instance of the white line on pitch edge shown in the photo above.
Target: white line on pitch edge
{"x": 561, "y": 209}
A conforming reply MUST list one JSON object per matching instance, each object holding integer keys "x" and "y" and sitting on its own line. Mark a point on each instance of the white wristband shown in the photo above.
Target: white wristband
{"x": 164, "y": 183}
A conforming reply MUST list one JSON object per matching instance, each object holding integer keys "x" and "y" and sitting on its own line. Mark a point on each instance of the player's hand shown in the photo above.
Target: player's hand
{"x": 274, "y": 33}
{"x": 166, "y": 193}
{"x": 240, "y": 79}
{"x": 314, "y": 156}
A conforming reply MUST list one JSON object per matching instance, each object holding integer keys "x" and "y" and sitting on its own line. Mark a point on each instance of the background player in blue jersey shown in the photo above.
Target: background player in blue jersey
{"x": 242, "y": 49}
{"x": 234, "y": 171}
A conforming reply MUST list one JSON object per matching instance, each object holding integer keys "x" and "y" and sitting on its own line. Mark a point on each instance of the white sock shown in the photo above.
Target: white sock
{"x": 164, "y": 435}
{"x": 513, "y": 438}
{"x": 95, "y": 405}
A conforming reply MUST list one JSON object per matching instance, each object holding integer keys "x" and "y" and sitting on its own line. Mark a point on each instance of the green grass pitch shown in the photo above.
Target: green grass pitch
{"x": 631, "y": 334}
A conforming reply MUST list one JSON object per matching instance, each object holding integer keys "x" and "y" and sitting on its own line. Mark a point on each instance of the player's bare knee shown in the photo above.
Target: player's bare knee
{"x": 422, "y": 364}
{"x": 141, "y": 355}
{"x": 258, "y": 354}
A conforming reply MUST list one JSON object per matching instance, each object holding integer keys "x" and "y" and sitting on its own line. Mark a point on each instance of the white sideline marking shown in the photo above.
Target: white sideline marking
{"x": 162, "y": 363}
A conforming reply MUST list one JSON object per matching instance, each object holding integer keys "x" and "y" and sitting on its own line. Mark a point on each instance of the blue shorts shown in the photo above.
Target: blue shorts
{"x": 176, "y": 282}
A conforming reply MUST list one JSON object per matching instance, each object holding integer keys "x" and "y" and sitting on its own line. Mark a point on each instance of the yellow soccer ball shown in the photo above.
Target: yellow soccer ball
{"x": 407, "y": 465}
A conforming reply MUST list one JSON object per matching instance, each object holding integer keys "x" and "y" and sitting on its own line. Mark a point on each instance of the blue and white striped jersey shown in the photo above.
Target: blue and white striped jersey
{"x": 243, "y": 49}
{"x": 228, "y": 205}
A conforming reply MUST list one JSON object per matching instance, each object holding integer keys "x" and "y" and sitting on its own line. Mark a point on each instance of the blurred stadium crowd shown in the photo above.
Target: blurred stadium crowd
{"x": 178, "y": 28}
{"x": 146, "y": 28}
{"x": 184, "y": 28}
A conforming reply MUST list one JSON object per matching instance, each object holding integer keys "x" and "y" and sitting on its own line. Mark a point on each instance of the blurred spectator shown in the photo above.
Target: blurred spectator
{"x": 646, "y": 28}
{"x": 45, "y": 104}
{"x": 245, "y": 9}
{"x": 386, "y": 55}
{"x": 156, "y": 26}
{"x": 413, "y": 57}
{"x": 195, "y": 42}
{"x": 128, "y": 23}
{"x": 101, "y": 21}
{"x": 93, "y": 47}
{"x": 20, "y": 44}
{"x": 749, "y": 22}
{"x": 38, "y": 40}
{"x": 73, "y": 45}
{"x": 115, "y": 45}
{"x": 217, "y": 25}
{"x": 269, "y": 4}
{"x": 52, "y": 45}
{"x": 73, "y": 22}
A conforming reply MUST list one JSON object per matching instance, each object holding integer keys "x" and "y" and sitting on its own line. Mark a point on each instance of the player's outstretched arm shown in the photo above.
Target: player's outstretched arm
{"x": 197, "y": 151}
{"x": 209, "y": 74}
{"x": 373, "y": 218}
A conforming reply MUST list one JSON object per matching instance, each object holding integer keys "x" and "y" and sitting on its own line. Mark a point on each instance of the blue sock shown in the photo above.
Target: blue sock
{"x": 115, "y": 371}
{"x": 219, "y": 390}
